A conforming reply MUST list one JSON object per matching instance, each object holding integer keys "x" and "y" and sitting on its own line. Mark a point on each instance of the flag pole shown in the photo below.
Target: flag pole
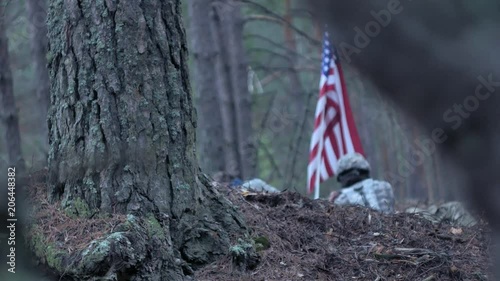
{"x": 316, "y": 190}
{"x": 320, "y": 152}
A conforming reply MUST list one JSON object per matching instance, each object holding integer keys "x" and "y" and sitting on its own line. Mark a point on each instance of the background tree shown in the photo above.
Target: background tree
{"x": 8, "y": 108}
{"x": 34, "y": 142}
{"x": 204, "y": 52}
{"x": 37, "y": 15}
{"x": 238, "y": 73}
{"x": 221, "y": 77}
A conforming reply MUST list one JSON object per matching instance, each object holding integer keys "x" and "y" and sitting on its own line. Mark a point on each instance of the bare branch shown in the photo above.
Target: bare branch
{"x": 273, "y": 162}
{"x": 282, "y": 20}
{"x": 281, "y": 46}
{"x": 295, "y": 146}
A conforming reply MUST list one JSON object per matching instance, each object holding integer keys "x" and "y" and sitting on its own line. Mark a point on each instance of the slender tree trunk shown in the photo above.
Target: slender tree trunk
{"x": 225, "y": 97}
{"x": 437, "y": 161}
{"x": 296, "y": 89}
{"x": 205, "y": 55}
{"x": 225, "y": 105}
{"x": 296, "y": 97}
{"x": 8, "y": 109}
{"x": 37, "y": 15}
{"x": 233, "y": 26}
{"x": 400, "y": 154}
{"x": 423, "y": 190}
{"x": 122, "y": 139}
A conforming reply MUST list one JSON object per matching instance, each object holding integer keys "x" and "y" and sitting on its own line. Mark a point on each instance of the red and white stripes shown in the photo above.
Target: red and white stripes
{"x": 334, "y": 132}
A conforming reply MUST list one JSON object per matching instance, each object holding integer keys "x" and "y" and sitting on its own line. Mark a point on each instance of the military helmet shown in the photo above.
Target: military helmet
{"x": 352, "y": 161}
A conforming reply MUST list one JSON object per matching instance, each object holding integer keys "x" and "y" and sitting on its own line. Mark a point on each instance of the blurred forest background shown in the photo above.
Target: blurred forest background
{"x": 255, "y": 68}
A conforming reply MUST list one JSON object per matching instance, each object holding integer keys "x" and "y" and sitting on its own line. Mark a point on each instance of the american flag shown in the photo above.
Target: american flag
{"x": 334, "y": 132}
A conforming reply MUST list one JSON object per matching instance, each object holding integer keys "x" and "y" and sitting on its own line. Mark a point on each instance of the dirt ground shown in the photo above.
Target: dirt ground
{"x": 314, "y": 240}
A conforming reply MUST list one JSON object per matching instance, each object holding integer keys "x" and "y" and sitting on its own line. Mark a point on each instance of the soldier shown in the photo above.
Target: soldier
{"x": 358, "y": 188}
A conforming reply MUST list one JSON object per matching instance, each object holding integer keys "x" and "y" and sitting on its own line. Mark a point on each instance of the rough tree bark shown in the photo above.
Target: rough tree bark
{"x": 8, "y": 109}
{"x": 122, "y": 139}
{"x": 211, "y": 145}
{"x": 37, "y": 15}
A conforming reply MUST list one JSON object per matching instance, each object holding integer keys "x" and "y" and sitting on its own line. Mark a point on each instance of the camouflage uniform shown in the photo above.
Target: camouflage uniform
{"x": 452, "y": 212}
{"x": 374, "y": 194}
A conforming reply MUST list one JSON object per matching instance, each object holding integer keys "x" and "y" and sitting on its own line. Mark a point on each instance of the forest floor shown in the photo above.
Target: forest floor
{"x": 315, "y": 240}
{"x": 302, "y": 239}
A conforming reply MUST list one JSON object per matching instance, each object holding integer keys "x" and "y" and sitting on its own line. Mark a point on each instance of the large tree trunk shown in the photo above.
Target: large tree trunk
{"x": 8, "y": 109}
{"x": 37, "y": 15}
{"x": 210, "y": 128}
{"x": 122, "y": 139}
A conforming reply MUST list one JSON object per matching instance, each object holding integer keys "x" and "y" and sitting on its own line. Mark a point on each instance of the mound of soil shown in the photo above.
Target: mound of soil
{"x": 315, "y": 240}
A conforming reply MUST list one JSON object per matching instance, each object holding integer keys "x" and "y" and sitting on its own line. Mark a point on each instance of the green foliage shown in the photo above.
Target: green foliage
{"x": 241, "y": 249}
{"x": 77, "y": 208}
{"x": 47, "y": 252}
{"x": 261, "y": 243}
{"x": 154, "y": 228}
{"x": 244, "y": 254}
